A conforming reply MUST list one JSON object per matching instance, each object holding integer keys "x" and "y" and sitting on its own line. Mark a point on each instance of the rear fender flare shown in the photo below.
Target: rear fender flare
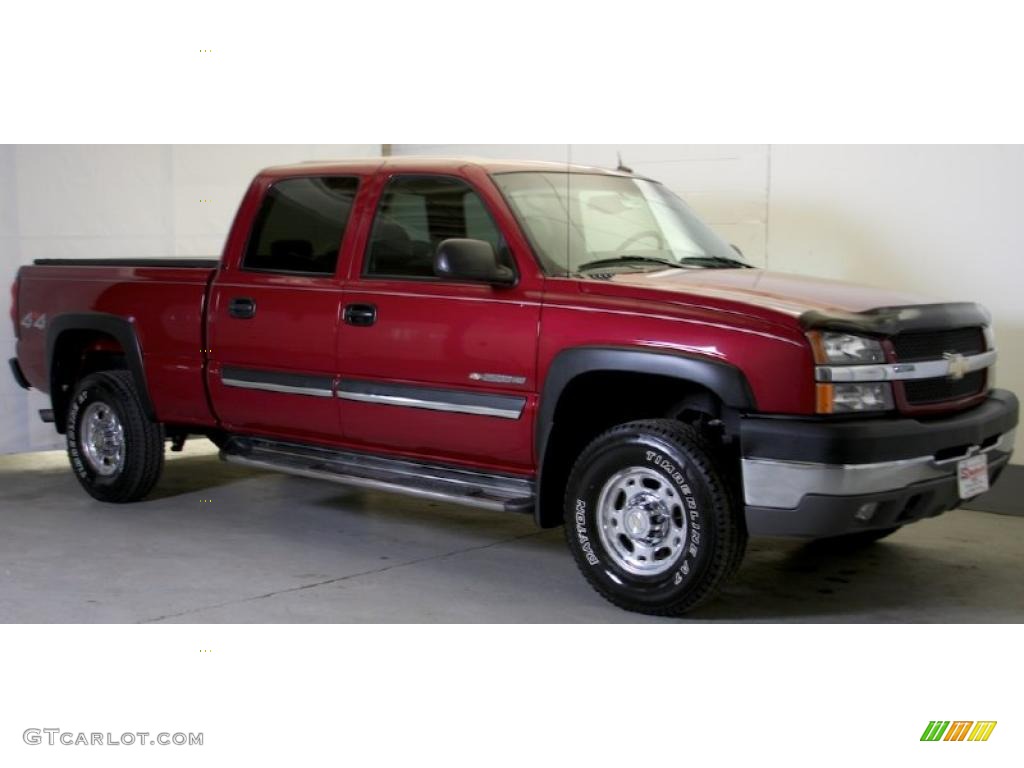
{"x": 121, "y": 329}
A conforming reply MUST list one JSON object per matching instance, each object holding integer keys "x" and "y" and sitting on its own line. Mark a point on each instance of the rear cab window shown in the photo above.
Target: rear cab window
{"x": 300, "y": 225}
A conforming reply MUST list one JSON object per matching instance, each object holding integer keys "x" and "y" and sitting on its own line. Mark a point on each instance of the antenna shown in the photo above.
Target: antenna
{"x": 623, "y": 168}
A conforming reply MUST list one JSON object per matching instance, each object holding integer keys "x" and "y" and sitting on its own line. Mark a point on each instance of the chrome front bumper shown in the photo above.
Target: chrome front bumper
{"x": 817, "y": 478}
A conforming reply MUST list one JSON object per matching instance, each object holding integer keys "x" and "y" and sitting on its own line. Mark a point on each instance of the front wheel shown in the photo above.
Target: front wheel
{"x": 116, "y": 452}
{"x": 650, "y": 520}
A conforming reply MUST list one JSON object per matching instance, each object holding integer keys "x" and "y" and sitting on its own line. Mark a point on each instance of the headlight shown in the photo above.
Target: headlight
{"x": 854, "y": 398}
{"x": 831, "y": 348}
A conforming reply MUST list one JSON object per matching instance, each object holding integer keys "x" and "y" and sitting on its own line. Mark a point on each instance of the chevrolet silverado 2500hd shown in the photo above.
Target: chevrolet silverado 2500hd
{"x": 567, "y": 342}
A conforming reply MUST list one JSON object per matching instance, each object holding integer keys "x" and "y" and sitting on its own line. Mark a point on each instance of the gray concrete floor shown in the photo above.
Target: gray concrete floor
{"x": 217, "y": 543}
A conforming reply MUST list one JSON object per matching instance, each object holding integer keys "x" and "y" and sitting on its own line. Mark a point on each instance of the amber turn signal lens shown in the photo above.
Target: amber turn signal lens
{"x": 824, "y": 398}
{"x": 818, "y": 348}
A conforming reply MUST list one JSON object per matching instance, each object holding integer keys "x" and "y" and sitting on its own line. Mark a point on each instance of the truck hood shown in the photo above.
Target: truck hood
{"x": 789, "y": 294}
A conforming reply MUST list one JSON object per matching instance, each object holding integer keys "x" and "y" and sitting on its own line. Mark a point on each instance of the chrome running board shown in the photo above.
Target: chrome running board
{"x": 503, "y": 493}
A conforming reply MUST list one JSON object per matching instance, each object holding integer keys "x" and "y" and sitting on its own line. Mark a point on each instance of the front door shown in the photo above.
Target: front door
{"x": 274, "y": 320}
{"x": 429, "y": 367}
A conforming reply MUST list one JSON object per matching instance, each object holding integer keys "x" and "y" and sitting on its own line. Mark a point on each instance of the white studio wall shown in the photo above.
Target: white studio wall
{"x": 110, "y": 201}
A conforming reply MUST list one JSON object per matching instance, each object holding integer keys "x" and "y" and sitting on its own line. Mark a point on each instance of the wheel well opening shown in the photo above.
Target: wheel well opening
{"x": 76, "y": 354}
{"x": 594, "y": 402}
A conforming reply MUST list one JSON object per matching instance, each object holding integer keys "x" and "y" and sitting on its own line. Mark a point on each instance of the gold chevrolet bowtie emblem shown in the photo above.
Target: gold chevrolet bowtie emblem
{"x": 958, "y": 365}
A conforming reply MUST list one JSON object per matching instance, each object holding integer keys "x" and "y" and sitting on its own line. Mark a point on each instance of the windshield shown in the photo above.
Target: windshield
{"x": 579, "y": 221}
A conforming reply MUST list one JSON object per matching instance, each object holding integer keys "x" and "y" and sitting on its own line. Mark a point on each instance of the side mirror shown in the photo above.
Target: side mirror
{"x": 472, "y": 261}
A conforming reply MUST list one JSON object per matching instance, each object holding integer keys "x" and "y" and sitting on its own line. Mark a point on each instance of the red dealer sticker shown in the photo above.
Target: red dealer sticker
{"x": 972, "y": 476}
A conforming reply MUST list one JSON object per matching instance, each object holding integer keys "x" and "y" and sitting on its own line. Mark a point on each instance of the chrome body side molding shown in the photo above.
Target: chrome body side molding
{"x": 272, "y": 381}
{"x": 433, "y": 399}
{"x": 380, "y": 393}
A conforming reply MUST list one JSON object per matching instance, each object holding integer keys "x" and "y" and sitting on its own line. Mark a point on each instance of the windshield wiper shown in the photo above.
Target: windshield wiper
{"x": 712, "y": 260}
{"x": 627, "y": 260}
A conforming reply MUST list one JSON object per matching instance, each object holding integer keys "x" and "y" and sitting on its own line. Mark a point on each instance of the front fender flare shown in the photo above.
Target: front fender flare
{"x": 726, "y": 381}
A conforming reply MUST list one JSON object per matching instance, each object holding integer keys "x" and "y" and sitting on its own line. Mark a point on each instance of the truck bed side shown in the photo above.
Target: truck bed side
{"x": 163, "y": 302}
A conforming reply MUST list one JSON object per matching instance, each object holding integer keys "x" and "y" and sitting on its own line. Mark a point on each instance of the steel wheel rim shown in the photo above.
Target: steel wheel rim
{"x": 102, "y": 439}
{"x": 640, "y": 521}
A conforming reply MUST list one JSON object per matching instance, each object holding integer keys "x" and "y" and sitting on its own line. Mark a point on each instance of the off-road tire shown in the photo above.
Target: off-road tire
{"x": 715, "y": 532}
{"x": 143, "y": 439}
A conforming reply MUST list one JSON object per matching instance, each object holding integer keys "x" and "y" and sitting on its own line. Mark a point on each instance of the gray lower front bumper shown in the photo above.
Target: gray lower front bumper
{"x": 834, "y": 488}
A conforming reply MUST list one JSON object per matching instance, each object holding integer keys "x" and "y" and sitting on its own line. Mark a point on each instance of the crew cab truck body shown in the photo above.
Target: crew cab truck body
{"x": 562, "y": 341}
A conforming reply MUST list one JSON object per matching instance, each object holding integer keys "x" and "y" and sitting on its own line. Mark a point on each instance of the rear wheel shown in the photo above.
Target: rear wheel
{"x": 116, "y": 452}
{"x": 650, "y": 520}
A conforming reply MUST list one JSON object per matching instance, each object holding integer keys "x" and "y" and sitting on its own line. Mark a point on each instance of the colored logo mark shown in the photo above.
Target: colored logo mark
{"x": 958, "y": 730}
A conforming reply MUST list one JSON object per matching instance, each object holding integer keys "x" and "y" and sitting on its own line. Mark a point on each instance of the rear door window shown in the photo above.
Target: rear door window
{"x": 300, "y": 226}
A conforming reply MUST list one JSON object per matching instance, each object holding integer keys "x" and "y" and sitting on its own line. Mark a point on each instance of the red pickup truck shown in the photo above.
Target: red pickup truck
{"x": 567, "y": 342}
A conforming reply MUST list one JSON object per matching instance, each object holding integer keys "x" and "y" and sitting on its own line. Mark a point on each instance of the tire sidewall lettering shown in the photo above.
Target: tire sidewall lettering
{"x": 71, "y": 430}
{"x": 691, "y": 508}
{"x": 582, "y": 535}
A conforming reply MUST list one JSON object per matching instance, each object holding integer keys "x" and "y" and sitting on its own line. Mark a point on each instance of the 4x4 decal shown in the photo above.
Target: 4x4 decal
{"x": 31, "y": 320}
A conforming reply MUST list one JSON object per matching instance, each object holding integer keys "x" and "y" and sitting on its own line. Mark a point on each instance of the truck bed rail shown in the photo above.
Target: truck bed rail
{"x": 211, "y": 263}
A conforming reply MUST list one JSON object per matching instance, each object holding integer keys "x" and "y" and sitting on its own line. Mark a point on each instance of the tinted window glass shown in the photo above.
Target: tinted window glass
{"x": 300, "y": 226}
{"x": 416, "y": 214}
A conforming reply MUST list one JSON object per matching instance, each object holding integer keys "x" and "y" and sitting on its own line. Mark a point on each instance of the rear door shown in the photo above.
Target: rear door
{"x": 429, "y": 367}
{"x": 273, "y": 317}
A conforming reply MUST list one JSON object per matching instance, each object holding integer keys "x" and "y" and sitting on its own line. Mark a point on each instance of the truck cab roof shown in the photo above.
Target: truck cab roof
{"x": 429, "y": 164}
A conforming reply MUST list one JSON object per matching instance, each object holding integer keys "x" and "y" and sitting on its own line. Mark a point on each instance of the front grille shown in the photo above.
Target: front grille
{"x": 932, "y": 345}
{"x": 928, "y": 391}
